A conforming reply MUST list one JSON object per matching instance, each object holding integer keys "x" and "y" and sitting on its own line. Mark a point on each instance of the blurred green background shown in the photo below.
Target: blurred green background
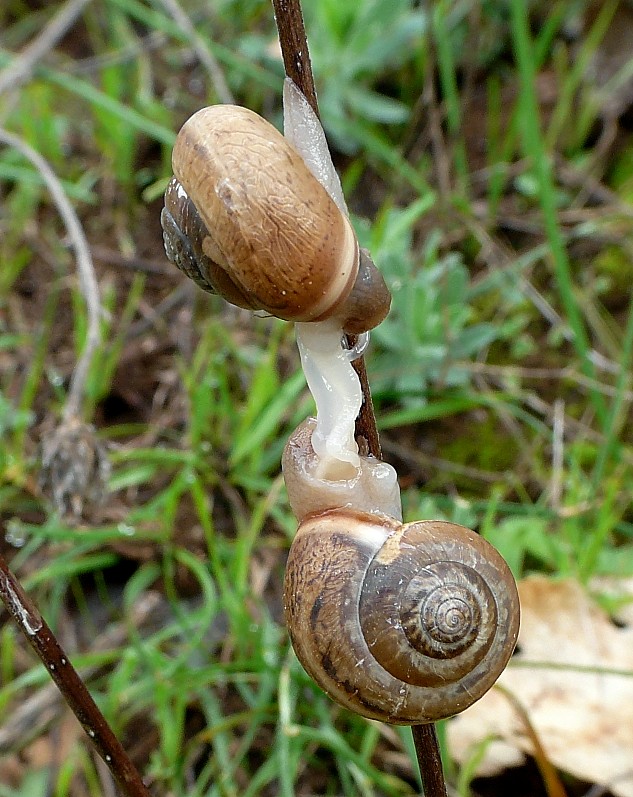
{"x": 486, "y": 151}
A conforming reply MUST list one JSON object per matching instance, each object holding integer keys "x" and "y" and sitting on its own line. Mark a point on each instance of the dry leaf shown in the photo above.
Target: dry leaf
{"x": 573, "y": 674}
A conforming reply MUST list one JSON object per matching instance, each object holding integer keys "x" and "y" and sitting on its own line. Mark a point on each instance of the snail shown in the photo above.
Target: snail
{"x": 260, "y": 219}
{"x": 246, "y": 217}
{"x": 404, "y": 623}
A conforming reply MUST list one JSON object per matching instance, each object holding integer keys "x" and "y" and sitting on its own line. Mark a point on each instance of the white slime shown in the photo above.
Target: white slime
{"x": 327, "y": 365}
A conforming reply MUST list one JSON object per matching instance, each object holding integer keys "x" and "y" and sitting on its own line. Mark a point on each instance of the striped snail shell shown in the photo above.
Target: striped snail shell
{"x": 245, "y": 217}
{"x": 407, "y": 624}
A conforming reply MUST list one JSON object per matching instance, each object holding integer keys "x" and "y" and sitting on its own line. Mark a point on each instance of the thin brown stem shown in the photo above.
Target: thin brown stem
{"x": 43, "y": 641}
{"x": 552, "y": 782}
{"x": 296, "y": 56}
{"x": 294, "y": 49}
{"x": 428, "y": 752}
{"x": 366, "y": 428}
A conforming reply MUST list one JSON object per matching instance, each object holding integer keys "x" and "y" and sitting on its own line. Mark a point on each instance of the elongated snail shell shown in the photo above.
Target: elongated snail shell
{"x": 407, "y": 624}
{"x": 245, "y": 218}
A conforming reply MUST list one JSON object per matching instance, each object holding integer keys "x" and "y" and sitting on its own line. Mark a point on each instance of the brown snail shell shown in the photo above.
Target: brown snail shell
{"x": 407, "y": 624}
{"x": 244, "y": 217}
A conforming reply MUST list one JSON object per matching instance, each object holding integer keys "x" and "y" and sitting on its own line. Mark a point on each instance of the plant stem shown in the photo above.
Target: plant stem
{"x": 202, "y": 50}
{"x": 43, "y": 641}
{"x": 85, "y": 269}
{"x": 294, "y": 49}
{"x": 21, "y": 68}
{"x": 427, "y": 750}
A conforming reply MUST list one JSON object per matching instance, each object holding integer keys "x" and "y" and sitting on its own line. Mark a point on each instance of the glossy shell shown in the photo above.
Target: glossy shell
{"x": 185, "y": 237}
{"x": 272, "y": 226}
{"x": 407, "y": 624}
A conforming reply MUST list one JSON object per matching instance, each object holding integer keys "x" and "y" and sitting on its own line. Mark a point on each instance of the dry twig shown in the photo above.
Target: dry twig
{"x": 85, "y": 268}
{"x": 201, "y": 49}
{"x": 75, "y": 466}
{"x": 20, "y": 70}
{"x": 34, "y": 714}
{"x": 43, "y": 641}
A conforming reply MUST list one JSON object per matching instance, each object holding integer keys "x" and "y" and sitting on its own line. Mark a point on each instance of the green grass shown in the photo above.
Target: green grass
{"x": 501, "y": 379}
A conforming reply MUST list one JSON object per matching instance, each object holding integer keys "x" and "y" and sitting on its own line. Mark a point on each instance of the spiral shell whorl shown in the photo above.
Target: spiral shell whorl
{"x": 446, "y": 602}
{"x": 407, "y": 624}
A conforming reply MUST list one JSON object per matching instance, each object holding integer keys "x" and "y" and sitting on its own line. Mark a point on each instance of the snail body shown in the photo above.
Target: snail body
{"x": 404, "y": 623}
{"x": 407, "y": 624}
{"x": 371, "y": 486}
{"x": 246, "y": 218}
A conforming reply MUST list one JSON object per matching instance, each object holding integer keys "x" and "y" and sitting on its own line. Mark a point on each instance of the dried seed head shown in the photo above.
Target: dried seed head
{"x": 75, "y": 468}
